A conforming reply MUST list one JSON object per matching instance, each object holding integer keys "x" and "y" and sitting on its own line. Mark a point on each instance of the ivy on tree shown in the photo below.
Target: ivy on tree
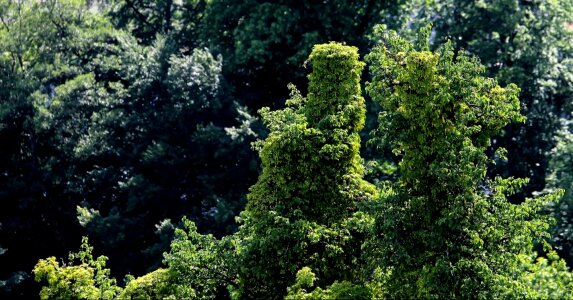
{"x": 447, "y": 231}
{"x": 311, "y": 183}
{"x": 527, "y": 43}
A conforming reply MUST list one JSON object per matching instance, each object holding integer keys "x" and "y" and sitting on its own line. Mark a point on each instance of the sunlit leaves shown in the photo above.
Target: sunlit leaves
{"x": 311, "y": 182}
{"x": 448, "y": 231}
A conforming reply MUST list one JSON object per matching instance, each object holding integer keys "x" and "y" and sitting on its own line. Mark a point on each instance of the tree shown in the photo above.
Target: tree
{"x": 447, "y": 231}
{"x": 145, "y": 19}
{"x": 526, "y": 43}
{"x": 153, "y": 146}
{"x": 306, "y": 198}
{"x": 300, "y": 210}
{"x": 87, "y": 280}
{"x": 120, "y": 136}
{"x": 314, "y": 229}
{"x": 197, "y": 266}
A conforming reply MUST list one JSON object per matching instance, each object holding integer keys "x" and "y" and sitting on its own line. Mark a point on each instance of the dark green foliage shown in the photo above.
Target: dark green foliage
{"x": 156, "y": 150}
{"x": 560, "y": 176}
{"x": 41, "y": 45}
{"x": 447, "y": 231}
{"x": 145, "y": 19}
{"x": 265, "y": 43}
{"x": 311, "y": 183}
{"x": 125, "y": 136}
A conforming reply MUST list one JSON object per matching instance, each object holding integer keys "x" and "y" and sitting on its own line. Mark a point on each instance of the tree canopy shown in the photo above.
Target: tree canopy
{"x": 165, "y": 133}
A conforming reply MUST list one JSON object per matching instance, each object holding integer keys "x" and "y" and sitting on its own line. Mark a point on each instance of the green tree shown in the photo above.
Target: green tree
{"x": 306, "y": 198}
{"x": 447, "y": 231}
{"x": 526, "y": 43}
{"x": 147, "y": 145}
{"x": 305, "y": 279}
{"x": 89, "y": 279}
{"x": 122, "y": 136}
{"x": 197, "y": 266}
{"x": 299, "y": 212}
{"x": 530, "y": 44}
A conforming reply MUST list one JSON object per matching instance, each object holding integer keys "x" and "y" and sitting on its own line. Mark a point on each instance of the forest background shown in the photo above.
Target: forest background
{"x": 119, "y": 118}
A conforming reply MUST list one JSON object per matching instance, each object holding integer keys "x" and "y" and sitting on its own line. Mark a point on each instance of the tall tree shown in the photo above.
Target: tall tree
{"x": 143, "y": 146}
{"x": 441, "y": 230}
{"x": 119, "y": 136}
{"x": 311, "y": 183}
{"x": 448, "y": 231}
{"x": 526, "y": 43}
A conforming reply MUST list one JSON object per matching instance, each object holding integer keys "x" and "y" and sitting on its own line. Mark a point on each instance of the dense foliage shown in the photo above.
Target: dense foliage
{"x": 311, "y": 181}
{"x": 132, "y": 122}
{"x": 559, "y": 176}
{"x": 112, "y": 135}
{"x": 459, "y": 238}
{"x": 527, "y": 43}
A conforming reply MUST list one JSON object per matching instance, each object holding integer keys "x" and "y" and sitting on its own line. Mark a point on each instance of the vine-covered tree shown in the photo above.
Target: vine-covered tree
{"x": 314, "y": 229}
{"x": 528, "y": 43}
{"x": 300, "y": 212}
{"x": 448, "y": 231}
{"x": 311, "y": 183}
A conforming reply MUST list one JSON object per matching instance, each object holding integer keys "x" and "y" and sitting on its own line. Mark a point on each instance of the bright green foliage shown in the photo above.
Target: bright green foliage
{"x": 338, "y": 290}
{"x": 447, "y": 231}
{"x": 87, "y": 280}
{"x": 311, "y": 182}
{"x": 311, "y": 162}
{"x": 526, "y": 43}
{"x": 272, "y": 248}
{"x": 199, "y": 265}
{"x": 149, "y": 286}
{"x": 548, "y": 278}
{"x": 560, "y": 176}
